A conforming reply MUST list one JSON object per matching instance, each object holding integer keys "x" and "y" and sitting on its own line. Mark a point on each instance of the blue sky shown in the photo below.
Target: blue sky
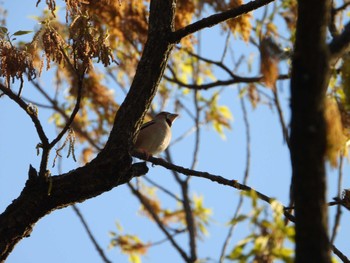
{"x": 60, "y": 237}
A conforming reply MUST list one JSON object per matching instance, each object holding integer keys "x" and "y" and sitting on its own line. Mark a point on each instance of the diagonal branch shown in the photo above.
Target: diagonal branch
{"x": 92, "y": 238}
{"x": 61, "y": 111}
{"x": 112, "y": 166}
{"x": 245, "y": 179}
{"x": 340, "y": 44}
{"x": 214, "y": 178}
{"x": 158, "y": 221}
{"x": 33, "y": 116}
{"x": 213, "y": 20}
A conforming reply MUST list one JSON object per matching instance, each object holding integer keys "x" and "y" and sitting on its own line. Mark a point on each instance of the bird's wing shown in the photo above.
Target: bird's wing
{"x": 147, "y": 124}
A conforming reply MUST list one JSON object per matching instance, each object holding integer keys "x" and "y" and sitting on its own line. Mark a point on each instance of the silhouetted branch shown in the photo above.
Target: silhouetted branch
{"x": 280, "y": 116}
{"x": 160, "y": 187}
{"x": 338, "y": 213}
{"x": 32, "y": 113}
{"x": 189, "y": 220}
{"x": 155, "y": 217}
{"x": 340, "y": 255}
{"x": 62, "y": 112}
{"x": 215, "y": 19}
{"x": 214, "y": 178}
{"x": 92, "y": 238}
{"x": 340, "y": 44}
{"x": 245, "y": 179}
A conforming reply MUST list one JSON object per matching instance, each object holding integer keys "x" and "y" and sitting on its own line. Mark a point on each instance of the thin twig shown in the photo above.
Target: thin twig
{"x": 33, "y": 114}
{"x": 39, "y": 105}
{"x": 156, "y": 243}
{"x": 83, "y": 221}
{"x": 175, "y": 174}
{"x": 280, "y": 116}
{"x": 158, "y": 221}
{"x": 92, "y": 238}
{"x": 189, "y": 220}
{"x": 44, "y": 140}
{"x": 227, "y": 41}
{"x": 197, "y": 111}
{"x": 65, "y": 116}
{"x": 77, "y": 103}
{"x": 339, "y": 207}
{"x": 245, "y": 179}
{"x": 162, "y": 188}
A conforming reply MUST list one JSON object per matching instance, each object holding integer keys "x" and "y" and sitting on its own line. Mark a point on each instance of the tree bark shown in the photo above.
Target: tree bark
{"x": 112, "y": 166}
{"x": 310, "y": 76}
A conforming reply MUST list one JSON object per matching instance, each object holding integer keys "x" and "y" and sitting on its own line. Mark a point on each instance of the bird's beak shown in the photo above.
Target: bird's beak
{"x": 172, "y": 116}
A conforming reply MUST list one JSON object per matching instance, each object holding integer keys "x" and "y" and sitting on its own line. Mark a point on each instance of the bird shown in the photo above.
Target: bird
{"x": 154, "y": 136}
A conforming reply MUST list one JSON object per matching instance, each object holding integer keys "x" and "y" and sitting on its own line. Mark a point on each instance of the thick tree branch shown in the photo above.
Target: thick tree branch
{"x": 40, "y": 197}
{"x": 213, "y": 20}
{"x": 112, "y": 166}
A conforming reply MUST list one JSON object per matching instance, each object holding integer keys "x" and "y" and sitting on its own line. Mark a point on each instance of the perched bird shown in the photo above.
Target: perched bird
{"x": 154, "y": 136}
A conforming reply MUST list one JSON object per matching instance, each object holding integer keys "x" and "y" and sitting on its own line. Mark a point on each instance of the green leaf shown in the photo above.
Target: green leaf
{"x": 22, "y": 32}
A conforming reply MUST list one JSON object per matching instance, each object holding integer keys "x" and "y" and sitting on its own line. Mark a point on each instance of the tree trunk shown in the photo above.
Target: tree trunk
{"x": 310, "y": 75}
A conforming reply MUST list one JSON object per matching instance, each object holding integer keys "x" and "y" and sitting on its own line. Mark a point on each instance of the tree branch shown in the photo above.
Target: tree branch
{"x": 339, "y": 207}
{"x": 155, "y": 217}
{"x": 214, "y": 178}
{"x": 245, "y": 179}
{"x": 64, "y": 115}
{"x": 33, "y": 116}
{"x": 112, "y": 166}
{"x": 215, "y": 19}
{"x": 340, "y": 44}
{"x": 92, "y": 238}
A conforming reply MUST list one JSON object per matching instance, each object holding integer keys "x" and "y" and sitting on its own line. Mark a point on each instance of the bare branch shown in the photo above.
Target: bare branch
{"x": 26, "y": 107}
{"x": 77, "y": 104}
{"x": 245, "y": 179}
{"x": 189, "y": 220}
{"x": 280, "y": 116}
{"x": 340, "y": 255}
{"x": 215, "y": 19}
{"x": 158, "y": 221}
{"x": 160, "y": 187}
{"x": 92, "y": 238}
{"x": 214, "y": 178}
{"x": 235, "y": 79}
{"x": 338, "y": 213}
{"x": 61, "y": 111}
{"x": 340, "y": 44}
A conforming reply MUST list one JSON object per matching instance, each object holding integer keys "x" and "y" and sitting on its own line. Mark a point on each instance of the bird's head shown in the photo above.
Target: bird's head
{"x": 167, "y": 116}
